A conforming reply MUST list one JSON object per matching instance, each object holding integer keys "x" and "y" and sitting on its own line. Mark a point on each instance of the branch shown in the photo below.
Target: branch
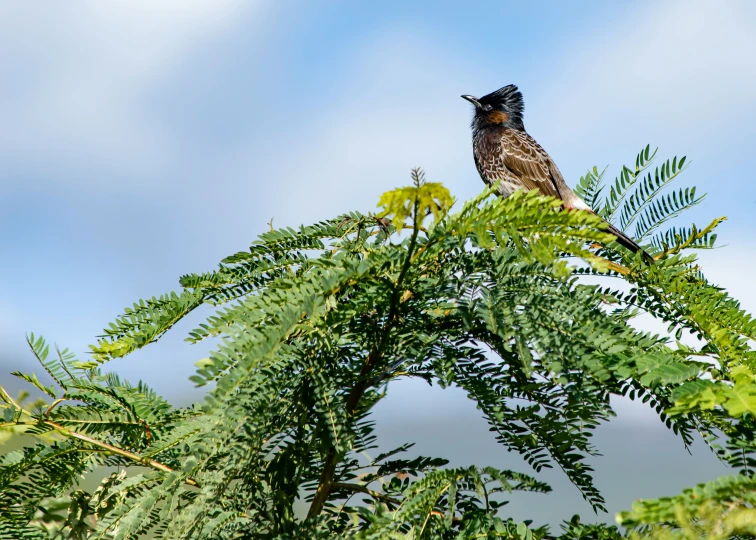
{"x": 325, "y": 485}
{"x": 114, "y": 450}
{"x": 329, "y": 469}
{"x": 76, "y": 435}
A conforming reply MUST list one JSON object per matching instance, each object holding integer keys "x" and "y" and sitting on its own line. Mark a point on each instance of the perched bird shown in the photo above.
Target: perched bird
{"x": 505, "y": 153}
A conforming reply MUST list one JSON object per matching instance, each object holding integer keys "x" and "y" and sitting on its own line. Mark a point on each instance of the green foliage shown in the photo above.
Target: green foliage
{"x": 717, "y": 510}
{"x": 421, "y": 199}
{"x": 313, "y": 325}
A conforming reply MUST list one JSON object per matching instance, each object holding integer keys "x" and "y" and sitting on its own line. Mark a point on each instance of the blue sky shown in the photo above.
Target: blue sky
{"x": 141, "y": 141}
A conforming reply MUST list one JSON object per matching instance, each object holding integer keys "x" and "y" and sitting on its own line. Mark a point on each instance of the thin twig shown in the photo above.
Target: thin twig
{"x": 54, "y": 404}
{"x": 367, "y": 491}
{"x": 381, "y": 497}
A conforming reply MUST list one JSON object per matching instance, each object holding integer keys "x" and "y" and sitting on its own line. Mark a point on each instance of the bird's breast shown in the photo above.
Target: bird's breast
{"x": 489, "y": 154}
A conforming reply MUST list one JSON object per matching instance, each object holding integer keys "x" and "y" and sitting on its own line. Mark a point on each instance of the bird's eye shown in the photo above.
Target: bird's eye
{"x": 487, "y": 108}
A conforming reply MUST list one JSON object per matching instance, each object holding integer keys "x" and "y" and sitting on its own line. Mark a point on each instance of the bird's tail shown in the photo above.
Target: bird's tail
{"x": 629, "y": 243}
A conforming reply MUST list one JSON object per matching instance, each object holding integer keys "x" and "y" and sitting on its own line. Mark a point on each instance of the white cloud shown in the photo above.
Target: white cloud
{"x": 74, "y": 74}
{"x": 677, "y": 70}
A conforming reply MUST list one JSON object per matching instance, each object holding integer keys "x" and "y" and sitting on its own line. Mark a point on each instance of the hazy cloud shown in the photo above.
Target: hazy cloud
{"x": 676, "y": 71}
{"x": 74, "y": 76}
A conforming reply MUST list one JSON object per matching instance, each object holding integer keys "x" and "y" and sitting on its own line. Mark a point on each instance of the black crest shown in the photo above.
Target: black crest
{"x": 507, "y": 99}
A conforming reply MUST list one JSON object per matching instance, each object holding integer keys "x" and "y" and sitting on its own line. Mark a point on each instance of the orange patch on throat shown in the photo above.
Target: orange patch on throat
{"x": 497, "y": 117}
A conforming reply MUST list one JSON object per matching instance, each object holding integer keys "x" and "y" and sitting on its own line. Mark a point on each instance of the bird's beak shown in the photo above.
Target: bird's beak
{"x": 472, "y": 100}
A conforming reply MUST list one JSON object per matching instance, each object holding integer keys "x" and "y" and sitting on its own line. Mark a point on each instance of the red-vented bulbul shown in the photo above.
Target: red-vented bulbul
{"x": 505, "y": 154}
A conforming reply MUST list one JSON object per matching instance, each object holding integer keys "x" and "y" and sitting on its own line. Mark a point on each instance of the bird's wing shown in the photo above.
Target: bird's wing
{"x": 526, "y": 159}
{"x": 530, "y": 163}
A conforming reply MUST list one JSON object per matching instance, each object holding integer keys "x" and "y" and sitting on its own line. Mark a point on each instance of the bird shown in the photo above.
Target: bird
{"x": 506, "y": 154}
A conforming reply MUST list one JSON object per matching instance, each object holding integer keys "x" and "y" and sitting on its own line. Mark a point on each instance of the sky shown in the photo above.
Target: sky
{"x": 145, "y": 140}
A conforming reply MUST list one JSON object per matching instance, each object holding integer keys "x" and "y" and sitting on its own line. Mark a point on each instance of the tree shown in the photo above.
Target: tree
{"x": 313, "y": 325}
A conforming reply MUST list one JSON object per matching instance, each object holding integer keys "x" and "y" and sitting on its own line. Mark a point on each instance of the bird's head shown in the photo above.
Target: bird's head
{"x": 503, "y": 107}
